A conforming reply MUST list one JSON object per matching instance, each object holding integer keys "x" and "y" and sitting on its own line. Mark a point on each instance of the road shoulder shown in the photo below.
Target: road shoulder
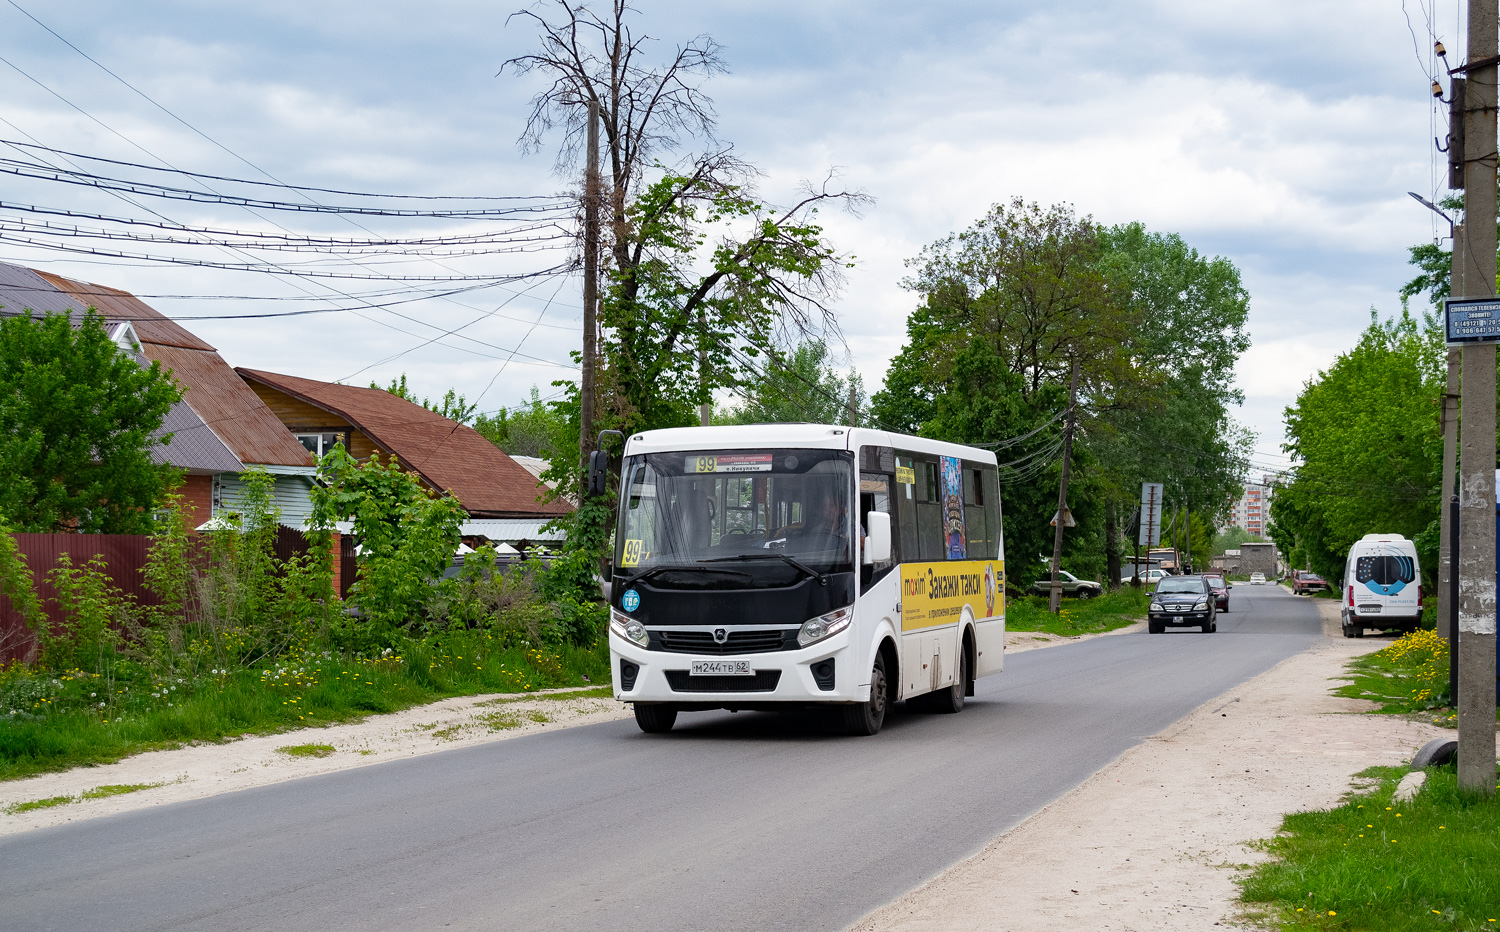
{"x": 200, "y": 770}
{"x": 1151, "y": 842}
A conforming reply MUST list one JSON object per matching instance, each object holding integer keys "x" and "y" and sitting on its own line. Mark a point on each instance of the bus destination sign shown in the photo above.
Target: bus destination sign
{"x": 1472, "y": 320}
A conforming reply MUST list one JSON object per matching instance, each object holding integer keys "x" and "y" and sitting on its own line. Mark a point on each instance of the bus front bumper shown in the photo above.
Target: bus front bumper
{"x": 825, "y": 672}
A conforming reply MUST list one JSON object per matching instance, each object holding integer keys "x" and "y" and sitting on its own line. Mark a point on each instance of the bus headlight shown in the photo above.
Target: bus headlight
{"x": 628, "y": 628}
{"x": 824, "y": 626}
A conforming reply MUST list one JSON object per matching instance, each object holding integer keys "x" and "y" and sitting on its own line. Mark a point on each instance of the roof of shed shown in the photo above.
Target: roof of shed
{"x": 447, "y": 454}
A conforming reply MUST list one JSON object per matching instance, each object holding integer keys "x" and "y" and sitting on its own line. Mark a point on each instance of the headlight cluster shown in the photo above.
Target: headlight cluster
{"x": 1201, "y": 606}
{"x": 628, "y": 628}
{"x": 824, "y": 626}
{"x": 1158, "y": 607}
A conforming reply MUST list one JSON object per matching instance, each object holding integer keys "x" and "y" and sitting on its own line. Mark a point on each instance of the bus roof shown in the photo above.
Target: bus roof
{"x": 810, "y": 436}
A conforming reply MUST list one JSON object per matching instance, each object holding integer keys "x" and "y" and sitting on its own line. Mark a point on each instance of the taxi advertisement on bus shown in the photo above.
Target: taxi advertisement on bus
{"x": 935, "y": 593}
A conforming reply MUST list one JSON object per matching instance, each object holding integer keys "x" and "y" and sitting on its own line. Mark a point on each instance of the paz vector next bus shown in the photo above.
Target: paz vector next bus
{"x": 768, "y": 566}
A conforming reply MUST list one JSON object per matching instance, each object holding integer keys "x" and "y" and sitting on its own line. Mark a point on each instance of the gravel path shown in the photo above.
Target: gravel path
{"x": 1152, "y": 842}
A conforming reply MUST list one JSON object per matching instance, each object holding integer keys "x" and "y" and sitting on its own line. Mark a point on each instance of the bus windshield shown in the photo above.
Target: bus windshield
{"x": 694, "y": 509}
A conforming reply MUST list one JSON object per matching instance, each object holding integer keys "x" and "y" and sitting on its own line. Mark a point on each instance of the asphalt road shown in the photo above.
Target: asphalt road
{"x": 749, "y": 821}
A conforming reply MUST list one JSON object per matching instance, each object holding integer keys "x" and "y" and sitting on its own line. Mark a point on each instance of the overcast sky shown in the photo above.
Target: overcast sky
{"x": 1280, "y": 135}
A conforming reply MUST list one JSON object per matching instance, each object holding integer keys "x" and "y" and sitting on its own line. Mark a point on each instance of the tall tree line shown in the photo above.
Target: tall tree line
{"x": 1009, "y": 305}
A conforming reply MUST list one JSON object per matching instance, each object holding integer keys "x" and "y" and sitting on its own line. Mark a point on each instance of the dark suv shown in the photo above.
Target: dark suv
{"x": 1182, "y": 601}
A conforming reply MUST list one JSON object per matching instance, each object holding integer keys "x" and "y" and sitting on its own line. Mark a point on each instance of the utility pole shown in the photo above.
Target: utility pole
{"x": 1054, "y": 597}
{"x": 590, "y": 292}
{"x": 1187, "y": 530}
{"x": 1450, "y": 462}
{"x": 706, "y": 408}
{"x": 1476, "y": 527}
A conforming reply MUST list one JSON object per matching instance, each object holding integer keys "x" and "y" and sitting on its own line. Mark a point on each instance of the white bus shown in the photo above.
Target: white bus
{"x": 768, "y": 566}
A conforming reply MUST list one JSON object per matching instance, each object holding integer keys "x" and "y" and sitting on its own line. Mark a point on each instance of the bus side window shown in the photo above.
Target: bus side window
{"x": 992, "y": 517}
{"x": 904, "y": 518}
{"x": 930, "y": 520}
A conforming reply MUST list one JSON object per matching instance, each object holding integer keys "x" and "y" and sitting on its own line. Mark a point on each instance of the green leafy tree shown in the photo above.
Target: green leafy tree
{"x": 1008, "y": 306}
{"x": 407, "y": 537}
{"x": 453, "y": 406}
{"x": 1231, "y": 537}
{"x": 533, "y": 428}
{"x": 799, "y": 386}
{"x": 78, "y": 424}
{"x": 1368, "y": 449}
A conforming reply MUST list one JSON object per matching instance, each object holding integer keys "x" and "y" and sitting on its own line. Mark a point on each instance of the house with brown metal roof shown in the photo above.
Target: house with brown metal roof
{"x": 505, "y": 502}
{"x": 219, "y": 429}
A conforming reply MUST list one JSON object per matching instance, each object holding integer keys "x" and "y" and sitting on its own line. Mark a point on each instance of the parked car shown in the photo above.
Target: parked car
{"x": 1257, "y": 579}
{"x": 1382, "y": 585}
{"x": 1071, "y": 586}
{"x": 1182, "y": 601}
{"x": 1150, "y": 577}
{"x": 1220, "y": 587}
{"x": 1304, "y": 582}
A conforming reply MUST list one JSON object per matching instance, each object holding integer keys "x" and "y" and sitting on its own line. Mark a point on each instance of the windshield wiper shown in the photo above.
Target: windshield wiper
{"x": 688, "y": 568}
{"x": 822, "y": 578}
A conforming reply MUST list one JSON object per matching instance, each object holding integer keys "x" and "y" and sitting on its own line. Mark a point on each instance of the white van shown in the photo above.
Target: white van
{"x": 1382, "y": 585}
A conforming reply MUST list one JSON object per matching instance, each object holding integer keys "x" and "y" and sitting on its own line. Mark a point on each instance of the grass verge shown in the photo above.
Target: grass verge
{"x": 1116, "y": 609}
{"x": 55, "y": 722}
{"x": 1409, "y": 675}
{"x": 1425, "y": 864}
{"x": 307, "y": 750}
{"x": 98, "y": 792}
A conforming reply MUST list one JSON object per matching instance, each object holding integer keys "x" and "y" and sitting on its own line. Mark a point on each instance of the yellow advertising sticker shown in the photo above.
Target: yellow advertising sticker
{"x": 935, "y": 593}
{"x": 632, "y": 554}
{"x": 906, "y": 475}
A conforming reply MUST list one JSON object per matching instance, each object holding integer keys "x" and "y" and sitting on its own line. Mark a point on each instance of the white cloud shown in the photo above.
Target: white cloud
{"x": 1281, "y": 135}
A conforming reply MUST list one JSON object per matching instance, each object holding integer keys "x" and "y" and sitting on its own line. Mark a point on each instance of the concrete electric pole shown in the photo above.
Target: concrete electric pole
{"x": 1476, "y": 542}
{"x": 1450, "y": 463}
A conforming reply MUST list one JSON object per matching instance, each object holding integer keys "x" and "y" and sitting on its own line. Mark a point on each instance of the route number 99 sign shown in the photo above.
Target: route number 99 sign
{"x": 727, "y": 462}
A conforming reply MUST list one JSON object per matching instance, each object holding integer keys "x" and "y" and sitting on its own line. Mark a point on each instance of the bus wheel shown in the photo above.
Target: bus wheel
{"x": 951, "y": 700}
{"x": 865, "y": 718}
{"x": 655, "y": 719}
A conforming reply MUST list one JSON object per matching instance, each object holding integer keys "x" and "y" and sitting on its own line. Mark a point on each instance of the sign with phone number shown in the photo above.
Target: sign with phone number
{"x": 1472, "y": 320}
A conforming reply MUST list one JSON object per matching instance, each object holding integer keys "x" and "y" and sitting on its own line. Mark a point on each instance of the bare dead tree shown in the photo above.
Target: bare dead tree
{"x": 772, "y": 276}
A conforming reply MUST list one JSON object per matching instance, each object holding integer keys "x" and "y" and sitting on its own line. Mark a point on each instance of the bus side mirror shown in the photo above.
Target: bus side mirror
{"x": 878, "y": 539}
{"x": 598, "y": 472}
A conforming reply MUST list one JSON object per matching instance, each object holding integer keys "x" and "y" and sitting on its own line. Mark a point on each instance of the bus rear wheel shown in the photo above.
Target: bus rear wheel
{"x": 865, "y": 718}
{"x": 655, "y": 719}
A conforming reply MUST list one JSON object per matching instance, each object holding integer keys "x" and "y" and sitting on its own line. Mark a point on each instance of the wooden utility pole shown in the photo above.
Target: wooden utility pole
{"x": 705, "y": 409}
{"x": 590, "y": 291}
{"x": 1054, "y": 597}
{"x": 1476, "y": 526}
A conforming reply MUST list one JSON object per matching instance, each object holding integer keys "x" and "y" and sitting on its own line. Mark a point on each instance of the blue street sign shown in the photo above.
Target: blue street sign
{"x": 1472, "y": 320}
